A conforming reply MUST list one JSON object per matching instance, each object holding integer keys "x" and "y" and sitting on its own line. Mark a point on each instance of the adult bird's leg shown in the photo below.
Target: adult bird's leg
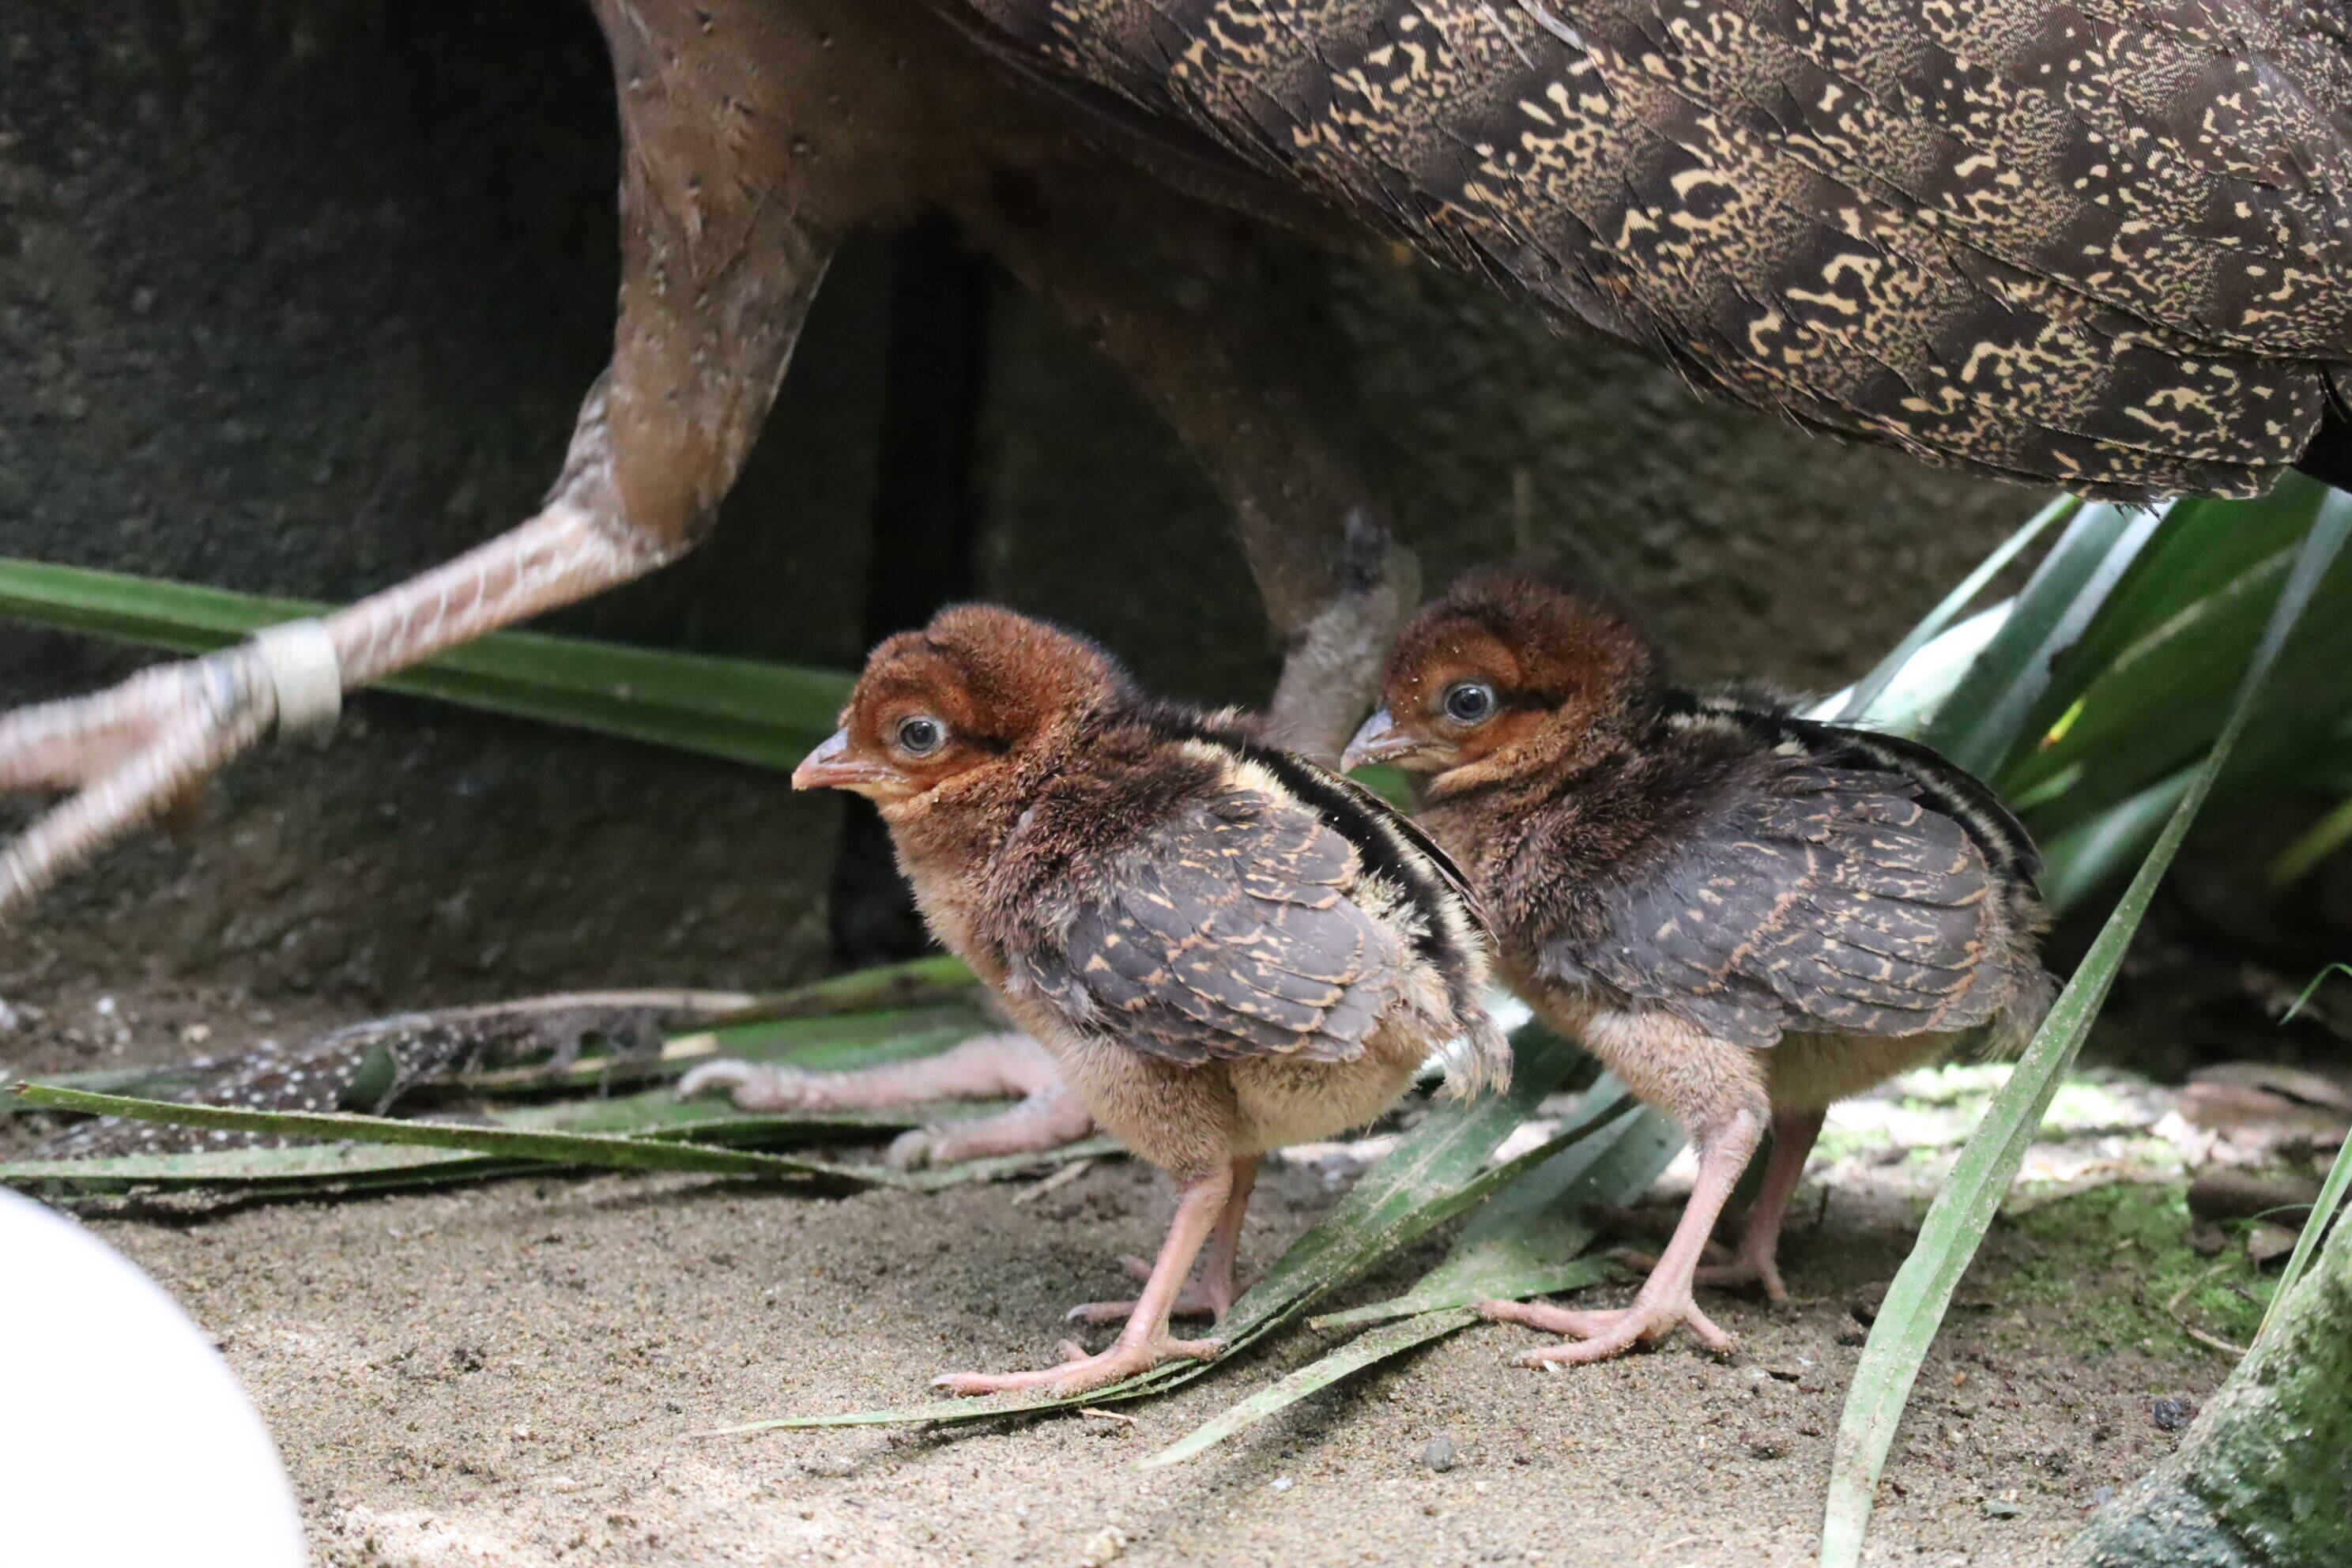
{"x": 1211, "y": 1294}
{"x": 1145, "y": 1342}
{"x": 1215, "y": 324}
{"x": 717, "y": 275}
{"x": 1214, "y": 320}
{"x": 989, "y": 1066}
{"x": 1665, "y": 1300}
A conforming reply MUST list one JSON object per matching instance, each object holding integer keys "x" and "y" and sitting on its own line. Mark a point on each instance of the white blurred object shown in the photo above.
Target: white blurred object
{"x": 125, "y": 1441}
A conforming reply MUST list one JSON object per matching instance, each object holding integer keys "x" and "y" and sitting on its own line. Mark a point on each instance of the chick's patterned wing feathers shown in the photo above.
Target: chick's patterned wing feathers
{"x": 1231, "y": 930}
{"x": 1832, "y": 901}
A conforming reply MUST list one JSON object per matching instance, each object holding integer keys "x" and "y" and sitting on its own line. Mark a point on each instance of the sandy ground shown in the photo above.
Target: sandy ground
{"x": 520, "y": 1374}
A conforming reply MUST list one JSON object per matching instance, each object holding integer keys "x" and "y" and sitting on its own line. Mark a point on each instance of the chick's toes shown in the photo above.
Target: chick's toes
{"x": 1597, "y": 1336}
{"x": 1080, "y": 1371}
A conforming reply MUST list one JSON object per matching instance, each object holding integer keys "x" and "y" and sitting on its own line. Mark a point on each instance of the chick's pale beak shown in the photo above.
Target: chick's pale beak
{"x": 830, "y": 766}
{"x": 1380, "y": 740}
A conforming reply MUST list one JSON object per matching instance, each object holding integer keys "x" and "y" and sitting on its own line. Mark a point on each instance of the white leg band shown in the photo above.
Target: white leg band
{"x": 300, "y": 659}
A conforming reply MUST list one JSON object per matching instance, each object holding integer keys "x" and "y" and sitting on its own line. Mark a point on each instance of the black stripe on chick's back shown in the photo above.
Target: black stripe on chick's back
{"x": 1391, "y": 845}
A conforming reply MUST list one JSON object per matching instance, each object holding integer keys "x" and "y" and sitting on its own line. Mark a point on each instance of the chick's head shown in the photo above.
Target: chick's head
{"x": 968, "y": 693}
{"x": 1512, "y": 672}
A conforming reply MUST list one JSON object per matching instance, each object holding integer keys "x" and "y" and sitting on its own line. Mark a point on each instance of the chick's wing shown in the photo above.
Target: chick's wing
{"x": 1832, "y": 901}
{"x": 1229, "y": 931}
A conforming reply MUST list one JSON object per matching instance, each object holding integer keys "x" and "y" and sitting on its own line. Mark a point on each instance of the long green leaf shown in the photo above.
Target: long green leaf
{"x": 545, "y": 1148}
{"x": 2079, "y": 861}
{"x": 1534, "y": 1226}
{"x": 2331, "y": 1191}
{"x": 745, "y": 710}
{"x": 1977, "y": 726}
{"x": 1868, "y": 690}
{"x": 1522, "y": 1242}
{"x": 1432, "y": 1174}
{"x": 1922, "y": 1289}
{"x": 1393, "y": 1339}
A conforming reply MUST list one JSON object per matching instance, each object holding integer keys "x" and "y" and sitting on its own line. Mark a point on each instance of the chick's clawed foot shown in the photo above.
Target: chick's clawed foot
{"x": 753, "y": 1087}
{"x": 1080, "y": 1371}
{"x": 1211, "y": 1298}
{"x": 1597, "y": 1336}
{"x": 1743, "y": 1270}
{"x": 1733, "y": 1271}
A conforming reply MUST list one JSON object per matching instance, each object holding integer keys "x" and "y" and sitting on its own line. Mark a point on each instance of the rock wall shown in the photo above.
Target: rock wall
{"x": 301, "y": 298}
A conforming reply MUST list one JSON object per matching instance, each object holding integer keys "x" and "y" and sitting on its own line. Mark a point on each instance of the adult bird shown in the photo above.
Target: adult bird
{"x": 2102, "y": 244}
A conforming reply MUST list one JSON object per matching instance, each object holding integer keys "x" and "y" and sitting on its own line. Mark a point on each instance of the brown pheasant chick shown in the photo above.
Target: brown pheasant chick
{"x": 1224, "y": 948}
{"x": 1744, "y": 914}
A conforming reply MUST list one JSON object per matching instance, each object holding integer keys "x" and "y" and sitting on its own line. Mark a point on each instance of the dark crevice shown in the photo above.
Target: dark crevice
{"x": 923, "y": 551}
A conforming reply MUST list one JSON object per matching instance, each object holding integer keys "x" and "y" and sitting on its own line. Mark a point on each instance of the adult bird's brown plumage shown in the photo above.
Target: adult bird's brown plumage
{"x": 1744, "y": 914}
{"x": 2102, "y": 243}
{"x": 1224, "y": 948}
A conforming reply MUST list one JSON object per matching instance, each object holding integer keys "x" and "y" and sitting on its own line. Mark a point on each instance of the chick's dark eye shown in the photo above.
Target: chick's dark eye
{"x": 919, "y": 736}
{"x": 1470, "y": 701}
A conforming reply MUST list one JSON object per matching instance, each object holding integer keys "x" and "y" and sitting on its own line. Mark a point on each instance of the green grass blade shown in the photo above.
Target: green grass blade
{"x": 2079, "y": 861}
{"x": 2331, "y": 1191}
{"x": 2312, "y": 846}
{"x": 1873, "y": 685}
{"x": 745, "y": 710}
{"x": 1533, "y": 1225}
{"x": 546, "y": 1148}
{"x": 1922, "y": 1289}
{"x": 2314, "y": 1229}
{"x": 2151, "y": 702}
{"x": 1394, "y": 1339}
{"x": 1500, "y": 1284}
{"x": 1984, "y": 717}
{"x": 1432, "y": 1174}
{"x": 1522, "y": 1242}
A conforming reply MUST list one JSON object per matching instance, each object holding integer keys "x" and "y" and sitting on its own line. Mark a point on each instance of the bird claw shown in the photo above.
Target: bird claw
{"x": 752, "y": 1086}
{"x": 1199, "y": 1300}
{"x": 1600, "y": 1335}
{"x": 914, "y": 1149}
{"x": 1079, "y": 1372}
{"x": 1745, "y": 1270}
{"x": 129, "y": 754}
{"x": 1735, "y": 1269}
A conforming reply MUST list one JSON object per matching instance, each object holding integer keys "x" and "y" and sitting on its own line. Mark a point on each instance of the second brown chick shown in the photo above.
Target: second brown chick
{"x": 1744, "y": 915}
{"x": 1225, "y": 949}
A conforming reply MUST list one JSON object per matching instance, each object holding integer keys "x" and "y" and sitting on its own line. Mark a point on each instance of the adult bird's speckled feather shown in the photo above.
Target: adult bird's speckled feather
{"x": 2105, "y": 243}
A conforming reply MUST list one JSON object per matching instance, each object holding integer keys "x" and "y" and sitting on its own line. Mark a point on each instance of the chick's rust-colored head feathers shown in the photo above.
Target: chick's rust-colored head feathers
{"x": 1513, "y": 669}
{"x": 963, "y": 693}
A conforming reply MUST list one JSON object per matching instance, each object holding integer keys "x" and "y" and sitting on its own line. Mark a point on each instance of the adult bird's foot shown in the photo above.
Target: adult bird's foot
{"x": 1080, "y": 1371}
{"x": 129, "y": 754}
{"x": 1209, "y": 1298}
{"x": 1597, "y": 1336}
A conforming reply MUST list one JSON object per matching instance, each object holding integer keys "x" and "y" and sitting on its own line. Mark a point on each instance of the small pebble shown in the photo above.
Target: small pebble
{"x": 2101, "y": 1497}
{"x": 2172, "y": 1414}
{"x": 1437, "y": 1454}
{"x": 1282, "y": 1483}
{"x": 2002, "y": 1507}
{"x": 1103, "y": 1546}
{"x": 1852, "y": 1332}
